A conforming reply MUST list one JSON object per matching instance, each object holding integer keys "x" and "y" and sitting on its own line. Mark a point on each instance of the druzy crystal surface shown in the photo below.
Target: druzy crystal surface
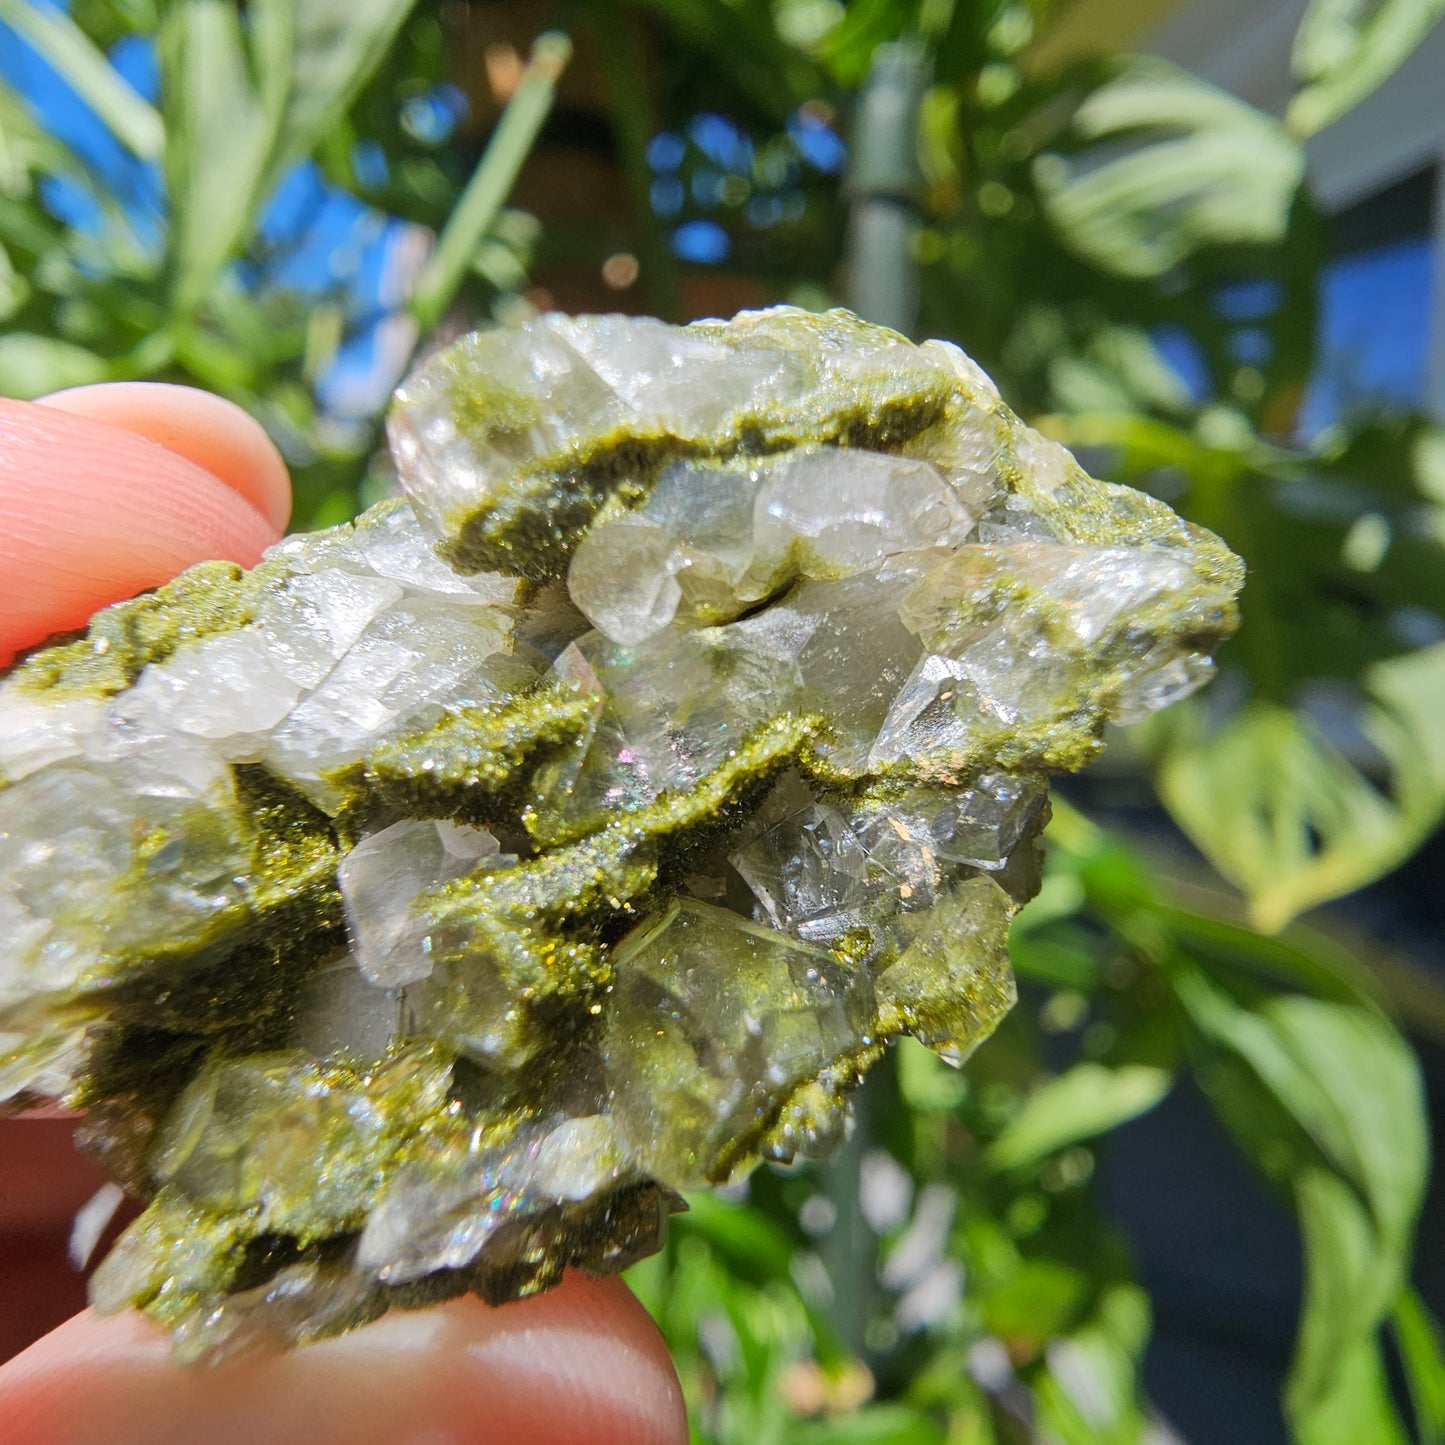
{"x": 424, "y": 910}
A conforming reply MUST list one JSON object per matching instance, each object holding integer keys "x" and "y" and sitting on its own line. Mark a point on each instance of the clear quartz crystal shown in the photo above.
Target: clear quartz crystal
{"x": 787, "y": 1010}
{"x": 809, "y": 874}
{"x": 847, "y": 511}
{"x": 410, "y": 654}
{"x": 343, "y": 1014}
{"x": 624, "y": 577}
{"x": 719, "y": 539}
{"x": 34, "y": 735}
{"x": 381, "y": 880}
{"x": 420, "y": 909}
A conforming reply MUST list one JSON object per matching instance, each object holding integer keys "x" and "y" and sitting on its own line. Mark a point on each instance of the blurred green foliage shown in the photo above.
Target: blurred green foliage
{"x": 1066, "y": 216}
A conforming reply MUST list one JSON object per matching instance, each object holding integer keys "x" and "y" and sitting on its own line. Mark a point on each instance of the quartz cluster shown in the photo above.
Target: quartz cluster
{"x": 423, "y": 910}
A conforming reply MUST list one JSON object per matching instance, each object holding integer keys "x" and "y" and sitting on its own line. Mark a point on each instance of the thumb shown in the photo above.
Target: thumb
{"x": 107, "y": 491}
{"x": 582, "y": 1362}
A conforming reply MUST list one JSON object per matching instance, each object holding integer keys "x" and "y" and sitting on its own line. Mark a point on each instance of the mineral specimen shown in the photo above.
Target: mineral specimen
{"x": 422, "y": 910}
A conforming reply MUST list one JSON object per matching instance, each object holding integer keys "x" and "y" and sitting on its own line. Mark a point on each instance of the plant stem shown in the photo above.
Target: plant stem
{"x": 882, "y": 287}
{"x": 492, "y": 180}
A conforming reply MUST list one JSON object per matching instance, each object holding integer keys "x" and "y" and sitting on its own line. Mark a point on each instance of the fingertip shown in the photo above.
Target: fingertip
{"x": 590, "y": 1345}
{"x": 581, "y": 1362}
{"x": 93, "y": 514}
{"x": 216, "y": 434}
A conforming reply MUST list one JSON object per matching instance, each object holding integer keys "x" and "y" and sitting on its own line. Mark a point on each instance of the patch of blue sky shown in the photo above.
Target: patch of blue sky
{"x": 368, "y": 161}
{"x": 708, "y": 186}
{"x": 1374, "y": 333}
{"x": 300, "y": 191}
{"x": 721, "y": 141}
{"x": 1249, "y": 300}
{"x": 817, "y": 142}
{"x": 71, "y": 203}
{"x": 1185, "y": 356}
{"x": 377, "y": 277}
{"x": 667, "y": 195}
{"x": 702, "y": 242}
{"x": 432, "y": 115}
{"x": 321, "y": 238}
{"x": 1373, "y": 341}
{"x": 135, "y": 183}
{"x": 666, "y": 150}
{"x": 134, "y": 58}
{"x": 1251, "y": 345}
{"x": 369, "y": 360}
{"x": 359, "y": 377}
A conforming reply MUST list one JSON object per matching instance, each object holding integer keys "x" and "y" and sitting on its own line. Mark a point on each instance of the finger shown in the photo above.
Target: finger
{"x": 213, "y": 432}
{"x": 90, "y": 513}
{"x": 582, "y": 1362}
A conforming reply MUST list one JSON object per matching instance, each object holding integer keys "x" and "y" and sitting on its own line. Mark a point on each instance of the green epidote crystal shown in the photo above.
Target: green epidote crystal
{"x": 409, "y": 926}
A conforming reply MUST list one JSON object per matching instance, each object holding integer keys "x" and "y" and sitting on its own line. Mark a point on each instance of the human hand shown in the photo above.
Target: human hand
{"x": 106, "y": 491}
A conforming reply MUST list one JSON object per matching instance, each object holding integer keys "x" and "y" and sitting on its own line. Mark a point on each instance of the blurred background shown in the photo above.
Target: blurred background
{"x": 1185, "y": 1194}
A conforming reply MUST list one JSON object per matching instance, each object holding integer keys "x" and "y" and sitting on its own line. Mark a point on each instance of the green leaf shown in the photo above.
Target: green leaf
{"x": 496, "y": 171}
{"x": 876, "y": 1425}
{"x": 1345, "y": 1297}
{"x": 1085, "y": 1100}
{"x": 133, "y": 120}
{"x": 1344, "y": 49}
{"x": 1039, "y": 1299}
{"x": 1273, "y": 803}
{"x": 336, "y": 46}
{"x": 224, "y": 86}
{"x": 14, "y": 289}
{"x": 1119, "y": 369}
{"x": 1288, "y": 819}
{"x": 1159, "y": 165}
{"x": 29, "y": 153}
{"x": 1357, "y": 1407}
{"x": 1351, "y": 1081}
{"x": 1298, "y": 958}
{"x": 741, "y": 41}
{"x": 1326, "y": 1098}
{"x": 243, "y": 102}
{"x": 1422, "y": 1354}
{"x": 1274, "y": 807}
{"x": 866, "y": 24}
{"x": 1088, "y": 1393}
{"x": 753, "y": 1249}
{"x": 32, "y": 365}
{"x": 925, "y": 1083}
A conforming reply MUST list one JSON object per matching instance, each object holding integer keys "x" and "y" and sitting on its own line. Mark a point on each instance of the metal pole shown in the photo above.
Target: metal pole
{"x": 884, "y": 186}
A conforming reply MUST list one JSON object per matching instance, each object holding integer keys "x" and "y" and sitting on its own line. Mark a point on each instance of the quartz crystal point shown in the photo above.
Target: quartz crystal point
{"x": 424, "y": 909}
